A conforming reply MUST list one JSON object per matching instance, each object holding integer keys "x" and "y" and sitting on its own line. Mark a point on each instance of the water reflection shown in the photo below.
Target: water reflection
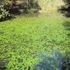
{"x": 56, "y": 62}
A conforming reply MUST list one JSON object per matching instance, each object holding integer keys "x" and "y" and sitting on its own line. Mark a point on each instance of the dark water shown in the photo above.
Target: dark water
{"x": 57, "y": 62}
{"x": 2, "y": 64}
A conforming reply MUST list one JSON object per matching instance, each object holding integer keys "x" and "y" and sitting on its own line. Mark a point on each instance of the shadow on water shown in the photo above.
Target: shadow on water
{"x": 67, "y": 28}
{"x": 3, "y": 64}
{"x": 67, "y": 25}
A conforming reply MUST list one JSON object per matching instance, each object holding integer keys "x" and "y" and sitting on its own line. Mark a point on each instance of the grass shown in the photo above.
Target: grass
{"x": 22, "y": 38}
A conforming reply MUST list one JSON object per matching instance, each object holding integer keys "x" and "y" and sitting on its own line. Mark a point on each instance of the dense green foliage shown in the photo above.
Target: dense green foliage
{"x": 22, "y": 39}
{"x": 14, "y": 7}
{"x": 66, "y": 8}
{"x": 3, "y": 13}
